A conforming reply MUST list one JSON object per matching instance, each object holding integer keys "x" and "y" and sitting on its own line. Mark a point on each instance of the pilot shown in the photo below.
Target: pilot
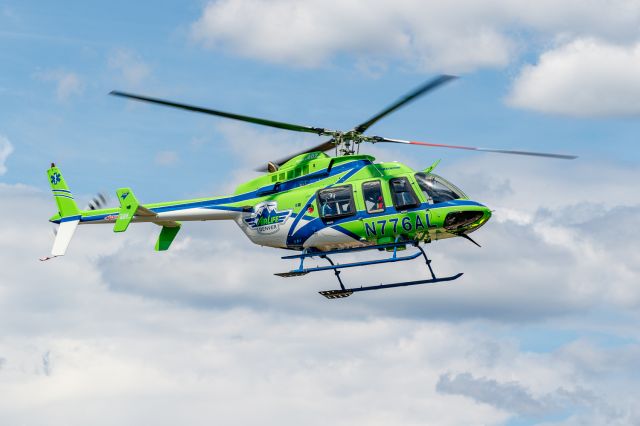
{"x": 328, "y": 206}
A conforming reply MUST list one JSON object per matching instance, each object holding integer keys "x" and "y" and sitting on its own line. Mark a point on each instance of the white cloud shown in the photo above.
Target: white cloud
{"x": 68, "y": 83}
{"x": 5, "y": 151}
{"x": 310, "y": 34}
{"x": 585, "y": 77}
{"x": 130, "y": 64}
{"x": 454, "y": 36}
{"x": 591, "y": 70}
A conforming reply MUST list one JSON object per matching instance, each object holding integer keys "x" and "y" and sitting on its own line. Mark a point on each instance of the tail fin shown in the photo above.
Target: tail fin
{"x": 68, "y": 212}
{"x": 67, "y": 207}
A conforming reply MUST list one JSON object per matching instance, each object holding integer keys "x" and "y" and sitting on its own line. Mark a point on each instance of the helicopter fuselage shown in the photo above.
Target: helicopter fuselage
{"x": 324, "y": 203}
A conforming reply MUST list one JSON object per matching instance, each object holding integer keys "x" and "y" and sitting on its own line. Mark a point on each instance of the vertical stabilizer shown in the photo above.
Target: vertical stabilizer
{"x": 64, "y": 198}
{"x": 69, "y": 215}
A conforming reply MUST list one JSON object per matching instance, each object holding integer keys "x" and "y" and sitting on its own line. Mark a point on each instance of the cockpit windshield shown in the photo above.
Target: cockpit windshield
{"x": 437, "y": 189}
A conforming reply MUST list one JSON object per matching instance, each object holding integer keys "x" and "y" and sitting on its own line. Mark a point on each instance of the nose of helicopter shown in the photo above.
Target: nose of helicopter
{"x": 466, "y": 218}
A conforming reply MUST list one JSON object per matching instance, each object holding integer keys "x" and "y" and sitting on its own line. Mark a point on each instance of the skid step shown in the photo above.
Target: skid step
{"x": 291, "y": 274}
{"x": 336, "y": 294}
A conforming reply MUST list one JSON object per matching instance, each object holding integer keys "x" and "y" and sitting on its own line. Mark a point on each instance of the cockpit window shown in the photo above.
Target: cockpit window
{"x": 402, "y": 194}
{"x": 436, "y": 189}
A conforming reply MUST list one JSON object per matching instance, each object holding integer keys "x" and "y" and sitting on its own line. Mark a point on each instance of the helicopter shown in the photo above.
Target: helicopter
{"x": 315, "y": 204}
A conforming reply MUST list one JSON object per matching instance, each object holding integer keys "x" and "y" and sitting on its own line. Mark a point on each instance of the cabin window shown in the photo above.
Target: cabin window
{"x": 281, "y": 177}
{"x": 274, "y": 178}
{"x": 305, "y": 169}
{"x": 290, "y": 174}
{"x": 336, "y": 202}
{"x": 436, "y": 189}
{"x": 402, "y": 194}
{"x": 298, "y": 171}
{"x": 373, "y": 198}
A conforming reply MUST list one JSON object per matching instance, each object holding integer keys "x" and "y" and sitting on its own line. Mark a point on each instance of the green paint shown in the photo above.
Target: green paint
{"x": 166, "y": 237}
{"x": 128, "y": 207}
{"x": 64, "y": 199}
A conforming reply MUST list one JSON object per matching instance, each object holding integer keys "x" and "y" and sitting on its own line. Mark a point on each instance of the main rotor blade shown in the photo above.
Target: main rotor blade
{"x": 376, "y": 139}
{"x": 325, "y": 146}
{"x": 427, "y": 87}
{"x": 248, "y": 119}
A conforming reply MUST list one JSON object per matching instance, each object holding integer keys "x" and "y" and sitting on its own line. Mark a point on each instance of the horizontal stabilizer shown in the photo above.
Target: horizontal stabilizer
{"x": 128, "y": 206}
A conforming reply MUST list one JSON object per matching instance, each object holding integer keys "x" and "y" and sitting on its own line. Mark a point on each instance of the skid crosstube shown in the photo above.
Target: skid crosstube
{"x": 316, "y": 253}
{"x": 336, "y": 268}
{"x": 298, "y": 272}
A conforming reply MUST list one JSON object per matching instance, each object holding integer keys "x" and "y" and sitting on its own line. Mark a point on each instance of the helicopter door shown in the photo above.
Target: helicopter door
{"x": 336, "y": 202}
{"x": 373, "y": 198}
{"x": 402, "y": 194}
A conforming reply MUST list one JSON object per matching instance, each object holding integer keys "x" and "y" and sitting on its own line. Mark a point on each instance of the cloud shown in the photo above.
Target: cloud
{"x": 588, "y": 52}
{"x": 5, "y": 151}
{"x": 512, "y": 396}
{"x": 583, "y": 78}
{"x": 313, "y": 33}
{"x": 130, "y": 65}
{"x": 455, "y": 36}
{"x": 68, "y": 83}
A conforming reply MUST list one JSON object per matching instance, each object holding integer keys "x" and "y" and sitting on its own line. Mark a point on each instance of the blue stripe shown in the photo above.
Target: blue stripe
{"x": 102, "y": 216}
{"x": 61, "y": 190}
{"x": 347, "y": 232}
{"x": 316, "y": 224}
{"x": 285, "y": 186}
{"x": 69, "y": 219}
{"x": 215, "y": 204}
{"x": 293, "y": 239}
{"x": 63, "y": 196}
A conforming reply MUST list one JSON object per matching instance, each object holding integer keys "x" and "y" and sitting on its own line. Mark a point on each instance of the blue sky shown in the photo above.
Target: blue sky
{"x": 541, "y": 330}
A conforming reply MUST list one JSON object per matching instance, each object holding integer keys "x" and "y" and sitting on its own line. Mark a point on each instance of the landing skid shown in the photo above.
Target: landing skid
{"x": 336, "y": 268}
{"x": 336, "y": 294}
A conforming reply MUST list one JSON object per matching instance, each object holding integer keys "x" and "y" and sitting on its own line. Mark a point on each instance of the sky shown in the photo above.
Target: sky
{"x": 542, "y": 329}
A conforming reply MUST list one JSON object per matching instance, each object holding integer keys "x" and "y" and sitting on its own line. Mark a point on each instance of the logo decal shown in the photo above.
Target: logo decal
{"x": 124, "y": 195}
{"x": 55, "y": 178}
{"x": 265, "y": 218}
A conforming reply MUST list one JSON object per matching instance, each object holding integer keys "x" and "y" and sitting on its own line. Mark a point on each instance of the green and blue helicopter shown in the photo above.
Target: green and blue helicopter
{"x": 313, "y": 203}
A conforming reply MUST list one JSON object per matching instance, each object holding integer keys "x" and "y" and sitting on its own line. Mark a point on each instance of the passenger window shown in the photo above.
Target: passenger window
{"x": 402, "y": 194}
{"x": 336, "y": 202}
{"x": 372, "y": 194}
